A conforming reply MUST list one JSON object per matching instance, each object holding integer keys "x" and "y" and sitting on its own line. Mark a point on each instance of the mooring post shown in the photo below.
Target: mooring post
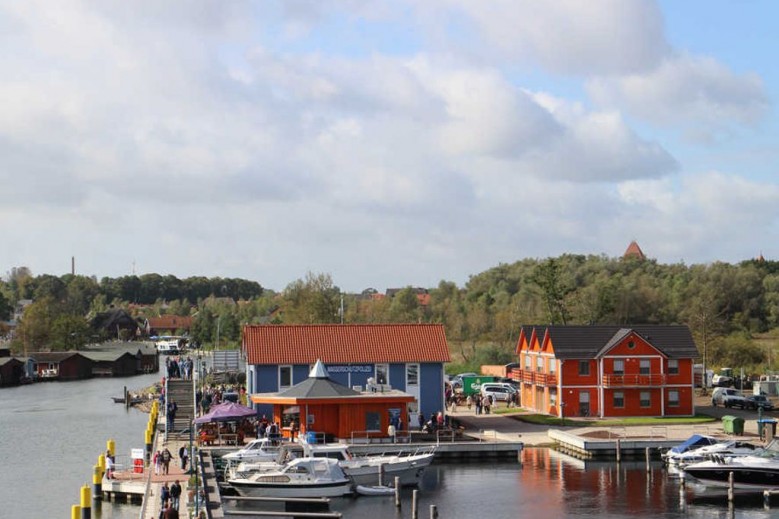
{"x": 433, "y": 512}
{"x": 619, "y": 451}
{"x": 648, "y": 468}
{"x": 766, "y": 499}
{"x": 730, "y": 486}
{"x": 397, "y": 491}
{"x": 86, "y": 502}
{"x": 414, "y": 509}
{"x": 381, "y": 474}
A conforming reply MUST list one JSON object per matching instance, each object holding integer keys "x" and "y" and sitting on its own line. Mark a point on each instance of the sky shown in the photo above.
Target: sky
{"x": 387, "y": 143}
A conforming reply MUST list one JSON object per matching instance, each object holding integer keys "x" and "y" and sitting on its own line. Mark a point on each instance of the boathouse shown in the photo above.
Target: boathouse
{"x": 62, "y": 365}
{"x": 331, "y": 410}
{"x": 11, "y": 371}
{"x": 382, "y": 357}
{"x": 606, "y": 371}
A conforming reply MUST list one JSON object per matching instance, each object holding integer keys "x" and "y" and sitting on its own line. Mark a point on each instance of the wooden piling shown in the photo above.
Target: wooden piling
{"x": 381, "y": 474}
{"x": 730, "y": 487}
{"x": 397, "y": 491}
{"x": 619, "y": 451}
{"x": 648, "y": 468}
{"x": 433, "y": 512}
{"x": 414, "y": 509}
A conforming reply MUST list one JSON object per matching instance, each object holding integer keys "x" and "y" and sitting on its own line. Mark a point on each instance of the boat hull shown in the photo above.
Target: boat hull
{"x": 331, "y": 489}
{"x": 751, "y": 478}
{"x": 409, "y": 471}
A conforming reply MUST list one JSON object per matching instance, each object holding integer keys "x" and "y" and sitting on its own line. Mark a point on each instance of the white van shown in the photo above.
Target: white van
{"x": 500, "y": 391}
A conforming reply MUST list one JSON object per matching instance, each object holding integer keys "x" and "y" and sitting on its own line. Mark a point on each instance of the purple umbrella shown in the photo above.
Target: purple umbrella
{"x": 225, "y": 412}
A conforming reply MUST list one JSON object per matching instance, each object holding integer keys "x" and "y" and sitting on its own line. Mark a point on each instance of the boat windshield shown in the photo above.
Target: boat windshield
{"x": 771, "y": 450}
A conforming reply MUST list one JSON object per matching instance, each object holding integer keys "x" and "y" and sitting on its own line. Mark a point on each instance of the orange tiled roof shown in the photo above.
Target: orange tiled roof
{"x": 345, "y": 343}
{"x": 634, "y": 251}
{"x": 170, "y": 322}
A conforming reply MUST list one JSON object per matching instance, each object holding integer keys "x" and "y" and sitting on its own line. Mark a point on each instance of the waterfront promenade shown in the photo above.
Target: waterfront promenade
{"x": 128, "y": 482}
{"x": 502, "y": 427}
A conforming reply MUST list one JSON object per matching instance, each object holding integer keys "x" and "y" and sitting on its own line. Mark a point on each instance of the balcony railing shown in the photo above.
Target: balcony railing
{"x": 533, "y": 377}
{"x": 633, "y": 380}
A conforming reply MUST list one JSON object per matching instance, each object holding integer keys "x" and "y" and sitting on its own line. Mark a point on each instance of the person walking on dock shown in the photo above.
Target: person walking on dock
{"x": 175, "y": 494}
{"x": 172, "y": 408}
{"x": 166, "y": 457}
{"x": 157, "y": 463}
{"x": 109, "y": 465}
{"x": 164, "y": 495}
{"x": 184, "y": 456}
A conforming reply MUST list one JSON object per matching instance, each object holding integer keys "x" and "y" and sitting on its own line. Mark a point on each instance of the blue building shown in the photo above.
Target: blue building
{"x": 376, "y": 357}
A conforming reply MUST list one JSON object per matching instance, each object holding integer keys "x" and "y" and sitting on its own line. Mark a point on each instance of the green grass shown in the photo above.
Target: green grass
{"x": 541, "y": 419}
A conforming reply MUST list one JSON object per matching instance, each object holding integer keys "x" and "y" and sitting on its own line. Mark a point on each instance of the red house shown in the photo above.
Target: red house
{"x": 606, "y": 371}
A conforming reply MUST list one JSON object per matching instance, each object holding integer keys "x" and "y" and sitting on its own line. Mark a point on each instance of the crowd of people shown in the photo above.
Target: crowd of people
{"x": 178, "y": 367}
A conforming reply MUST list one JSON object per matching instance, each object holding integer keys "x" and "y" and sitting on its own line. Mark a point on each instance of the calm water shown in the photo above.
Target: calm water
{"x": 50, "y": 437}
{"x": 52, "y": 433}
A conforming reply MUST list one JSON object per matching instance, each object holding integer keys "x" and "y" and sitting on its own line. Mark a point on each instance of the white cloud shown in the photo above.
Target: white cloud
{"x": 188, "y": 139}
{"x": 685, "y": 90}
{"x": 564, "y": 36}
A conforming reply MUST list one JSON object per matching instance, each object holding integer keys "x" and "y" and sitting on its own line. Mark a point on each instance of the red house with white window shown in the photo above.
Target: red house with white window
{"x": 606, "y": 371}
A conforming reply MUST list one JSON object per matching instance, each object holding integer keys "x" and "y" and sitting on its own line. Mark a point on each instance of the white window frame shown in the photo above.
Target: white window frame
{"x": 408, "y": 373}
{"x": 539, "y": 364}
{"x": 585, "y": 364}
{"x": 621, "y": 364}
{"x": 673, "y": 366}
{"x": 552, "y": 366}
{"x": 673, "y": 402}
{"x": 645, "y": 399}
{"x": 619, "y": 395}
{"x": 284, "y": 367}
{"x": 644, "y": 364}
{"x": 528, "y": 362}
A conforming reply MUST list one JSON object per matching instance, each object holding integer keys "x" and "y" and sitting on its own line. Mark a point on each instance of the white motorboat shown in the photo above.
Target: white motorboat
{"x": 731, "y": 448}
{"x": 750, "y": 473}
{"x": 259, "y": 450}
{"x": 376, "y": 469}
{"x": 693, "y": 442}
{"x": 302, "y": 477}
{"x": 363, "y": 470}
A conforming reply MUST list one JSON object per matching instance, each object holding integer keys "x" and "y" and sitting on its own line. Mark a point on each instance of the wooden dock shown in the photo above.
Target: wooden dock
{"x": 583, "y": 447}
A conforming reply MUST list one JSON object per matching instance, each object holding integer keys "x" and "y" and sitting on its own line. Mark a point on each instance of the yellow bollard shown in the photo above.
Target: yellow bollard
{"x": 149, "y": 437}
{"x": 75, "y": 512}
{"x": 101, "y": 462}
{"x": 97, "y": 482}
{"x": 86, "y": 503}
{"x": 110, "y": 446}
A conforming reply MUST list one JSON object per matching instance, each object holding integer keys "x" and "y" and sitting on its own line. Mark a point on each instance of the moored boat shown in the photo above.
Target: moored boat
{"x": 729, "y": 448}
{"x": 750, "y": 473}
{"x": 366, "y": 470}
{"x": 693, "y": 442}
{"x": 258, "y": 450}
{"x": 302, "y": 477}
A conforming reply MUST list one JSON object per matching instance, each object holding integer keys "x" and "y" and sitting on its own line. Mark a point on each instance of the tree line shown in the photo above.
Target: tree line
{"x": 725, "y": 305}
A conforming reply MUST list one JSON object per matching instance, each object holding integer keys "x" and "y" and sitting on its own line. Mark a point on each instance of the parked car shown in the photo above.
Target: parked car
{"x": 500, "y": 391}
{"x": 728, "y": 397}
{"x": 759, "y": 401}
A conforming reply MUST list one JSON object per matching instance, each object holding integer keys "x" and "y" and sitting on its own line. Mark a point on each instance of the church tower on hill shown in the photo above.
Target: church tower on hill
{"x": 634, "y": 251}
